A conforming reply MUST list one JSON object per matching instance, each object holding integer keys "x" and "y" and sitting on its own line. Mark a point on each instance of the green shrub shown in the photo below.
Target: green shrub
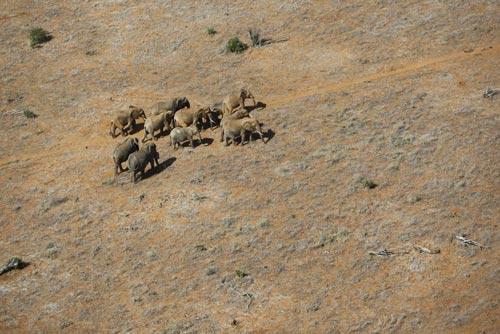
{"x": 236, "y": 46}
{"x": 29, "y": 114}
{"x": 368, "y": 183}
{"x": 211, "y": 31}
{"x": 240, "y": 274}
{"x": 38, "y": 36}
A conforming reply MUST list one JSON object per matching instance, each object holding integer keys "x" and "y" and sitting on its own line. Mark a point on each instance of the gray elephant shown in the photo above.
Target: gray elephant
{"x": 124, "y": 120}
{"x": 122, "y": 152}
{"x": 138, "y": 160}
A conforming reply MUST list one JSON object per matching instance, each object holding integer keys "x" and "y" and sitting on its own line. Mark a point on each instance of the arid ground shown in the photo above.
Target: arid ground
{"x": 379, "y": 141}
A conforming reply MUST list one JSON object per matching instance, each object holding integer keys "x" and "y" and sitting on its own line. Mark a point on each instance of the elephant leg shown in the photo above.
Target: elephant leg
{"x": 145, "y": 136}
{"x": 191, "y": 142}
{"x": 242, "y": 136}
{"x": 128, "y": 126}
{"x": 222, "y": 135}
{"x": 132, "y": 176}
{"x": 112, "y": 130}
{"x": 261, "y": 136}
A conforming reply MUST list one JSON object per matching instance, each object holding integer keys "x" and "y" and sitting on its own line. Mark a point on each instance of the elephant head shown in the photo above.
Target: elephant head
{"x": 134, "y": 144}
{"x": 180, "y": 103}
{"x": 246, "y": 94}
{"x": 137, "y": 112}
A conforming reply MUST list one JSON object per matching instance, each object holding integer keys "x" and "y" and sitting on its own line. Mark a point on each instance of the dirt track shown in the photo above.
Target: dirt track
{"x": 266, "y": 237}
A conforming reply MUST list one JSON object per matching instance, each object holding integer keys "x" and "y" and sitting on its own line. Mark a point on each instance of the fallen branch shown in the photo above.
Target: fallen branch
{"x": 468, "y": 242}
{"x": 386, "y": 253}
{"x": 421, "y": 249}
{"x": 14, "y": 263}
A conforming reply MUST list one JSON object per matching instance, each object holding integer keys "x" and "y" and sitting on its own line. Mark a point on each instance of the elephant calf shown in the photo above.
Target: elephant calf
{"x": 122, "y": 152}
{"x": 125, "y": 120}
{"x": 180, "y": 135}
{"x": 233, "y": 127}
{"x": 157, "y": 122}
{"x": 138, "y": 160}
{"x": 231, "y": 102}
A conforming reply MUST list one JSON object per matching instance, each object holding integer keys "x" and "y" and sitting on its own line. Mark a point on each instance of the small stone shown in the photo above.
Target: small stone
{"x": 228, "y": 222}
{"x": 264, "y": 222}
{"x": 212, "y": 271}
{"x": 413, "y": 198}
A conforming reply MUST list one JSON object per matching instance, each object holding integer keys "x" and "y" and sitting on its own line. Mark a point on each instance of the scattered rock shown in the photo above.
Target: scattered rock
{"x": 490, "y": 93}
{"x": 228, "y": 222}
{"x": 212, "y": 271}
{"x": 52, "y": 251}
{"x": 413, "y": 198}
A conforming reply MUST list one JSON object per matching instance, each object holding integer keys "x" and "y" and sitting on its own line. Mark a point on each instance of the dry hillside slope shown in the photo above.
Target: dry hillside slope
{"x": 380, "y": 138}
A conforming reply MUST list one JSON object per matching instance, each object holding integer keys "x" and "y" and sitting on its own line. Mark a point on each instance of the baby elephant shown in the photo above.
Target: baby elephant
{"x": 125, "y": 120}
{"x": 138, "y": 160}
{"x": 157, "y": 122}
{"x": 122, "y": 151}
{"x": 180, "y": 135}
{"x": 231, "y": 102}
{"x": 234, "y": 127}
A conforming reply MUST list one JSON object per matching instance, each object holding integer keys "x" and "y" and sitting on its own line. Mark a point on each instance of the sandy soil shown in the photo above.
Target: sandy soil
{"x": 261, "y": 238}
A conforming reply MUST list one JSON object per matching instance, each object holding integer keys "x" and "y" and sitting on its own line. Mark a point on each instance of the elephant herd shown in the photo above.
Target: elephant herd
{"x": 182, "y": 123}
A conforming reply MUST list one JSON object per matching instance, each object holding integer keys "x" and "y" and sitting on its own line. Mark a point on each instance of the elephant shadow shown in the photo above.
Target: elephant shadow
{"x": 259, "y": 105}
{"x": 204, "y": 141}
{"x": 159, "y": 168}
{"x": 137, "y": 128}
{"x": 268, "y": 135}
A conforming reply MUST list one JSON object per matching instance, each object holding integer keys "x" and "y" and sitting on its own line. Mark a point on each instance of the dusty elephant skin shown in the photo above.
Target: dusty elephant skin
{"x": 160, "y": 122}
{"x": 125, "y": 120}
{"x": 122, "y": 152}
{"x": 372, "y": 207}
{"x": 180, "y": 135}
{"x": 172, "y": 105}
{"x": 231, "y": 102}
{"x": 137, "y": 161}
{"x": 199, "y": 116}
{"x": 239, "y": 126}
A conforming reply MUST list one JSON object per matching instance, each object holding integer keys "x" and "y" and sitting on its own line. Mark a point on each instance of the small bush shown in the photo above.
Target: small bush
{"x": 257, "y": 39}
{"x": 211, "y": 31}
{"x": 368, "y": 183}
{"x": 236, "y": 46}
{"x": 29, "y": 114}
{"x": 38, "y": 36}
{"x": 241, "y": 274}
